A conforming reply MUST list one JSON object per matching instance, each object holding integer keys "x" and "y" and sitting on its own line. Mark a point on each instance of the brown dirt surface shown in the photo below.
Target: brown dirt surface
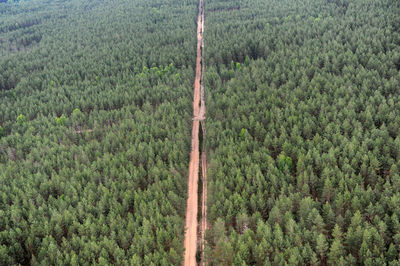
{"x": 190, "y": 243}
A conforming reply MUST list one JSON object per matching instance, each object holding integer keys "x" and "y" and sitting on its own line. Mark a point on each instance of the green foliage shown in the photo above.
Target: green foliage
{"x": 242, "y": 134}
{"x": 60, "y": 121}
{"x": 284, "y": 162}
{"x": 238, "y": 67}
{"x": 247, "y": 61}
{"x": 21, "y": 119}
{"x": 2, "y": 132}
{"x": 77, "y": 116}
{"x": 308, "y": 86}
{"x": 304, "y": 139}
{"x": 76, "y": 112}
{"x": 105, "y": 183}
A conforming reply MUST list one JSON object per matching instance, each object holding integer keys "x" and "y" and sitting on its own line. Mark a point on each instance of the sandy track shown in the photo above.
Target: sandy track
{"x": 190, "y": 243}
{"x": 191, "y": 210}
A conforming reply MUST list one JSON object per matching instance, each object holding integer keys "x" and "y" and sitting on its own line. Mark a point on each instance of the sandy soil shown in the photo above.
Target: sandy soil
{"x": 190, "y": 243}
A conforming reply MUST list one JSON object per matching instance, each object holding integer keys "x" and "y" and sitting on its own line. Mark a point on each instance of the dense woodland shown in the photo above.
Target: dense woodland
{"x": 303, "y": 132}
{"x": 95, "y": 115}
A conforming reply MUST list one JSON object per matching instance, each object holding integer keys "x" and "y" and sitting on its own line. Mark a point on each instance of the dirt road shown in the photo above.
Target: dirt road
{"x": 190, "y": 243}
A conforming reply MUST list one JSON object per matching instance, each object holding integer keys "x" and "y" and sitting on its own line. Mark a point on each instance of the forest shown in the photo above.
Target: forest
{"x": 303, "y": 127}
{"x": 95, "y": 114}
{"x": 302, "y": 131}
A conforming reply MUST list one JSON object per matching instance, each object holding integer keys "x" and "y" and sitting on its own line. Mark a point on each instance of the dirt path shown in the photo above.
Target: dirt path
{"x": 190, "y": 243}
{"x": 204, "y": 225}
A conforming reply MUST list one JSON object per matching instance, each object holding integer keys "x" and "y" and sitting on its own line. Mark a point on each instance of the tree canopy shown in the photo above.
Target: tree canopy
{"x": 95, "y": 114}
{"x": 303, "y": 132}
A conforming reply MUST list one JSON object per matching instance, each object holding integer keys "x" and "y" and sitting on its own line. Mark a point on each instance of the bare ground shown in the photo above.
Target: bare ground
{"x": 190, "y": 243}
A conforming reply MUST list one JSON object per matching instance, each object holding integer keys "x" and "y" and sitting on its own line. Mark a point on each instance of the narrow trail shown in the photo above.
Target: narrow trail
{"x": 204, "y": 224}
{"x": 199, "y": 111}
